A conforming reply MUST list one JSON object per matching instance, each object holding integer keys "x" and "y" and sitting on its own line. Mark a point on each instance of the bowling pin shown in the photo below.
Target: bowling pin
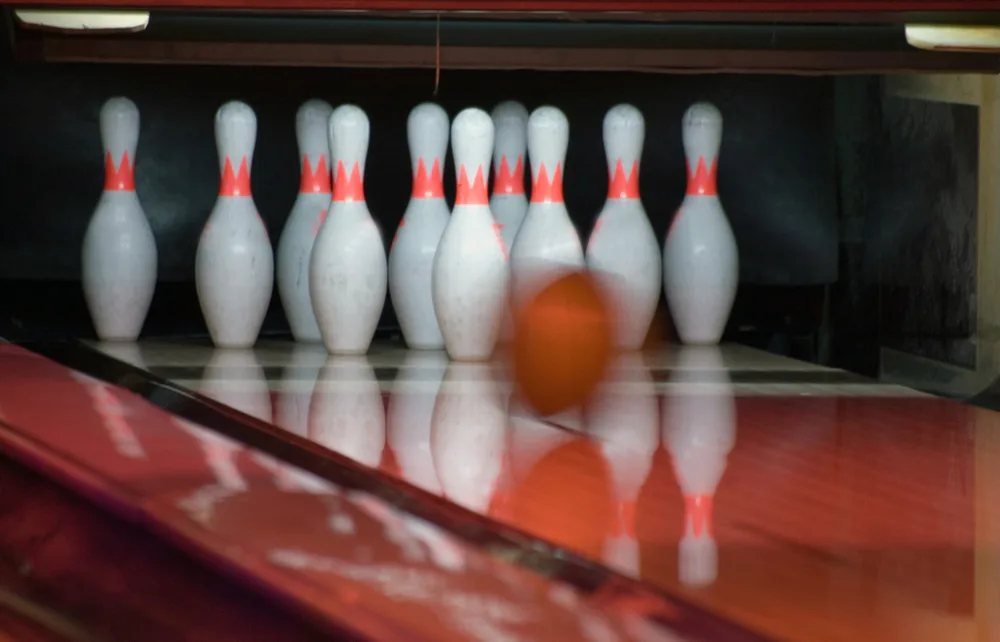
{"x": 308, "y": 212}
{"x": 119, "y": 251}
{"x": 700, "y": 258}
{"x": 234, "y": 264}
{"x": 699, "y": 431}
{"x": 471, "y": 274}
{"x": 348, "y": 272}
{"x": 623, "y": 248}
{"x": 411, "y": 257}
{"x": 508, "y": 202}
{"x": 547, "y": 243}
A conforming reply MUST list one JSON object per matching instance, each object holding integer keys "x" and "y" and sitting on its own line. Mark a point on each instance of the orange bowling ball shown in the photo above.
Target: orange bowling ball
{"x": 562, "y": 344}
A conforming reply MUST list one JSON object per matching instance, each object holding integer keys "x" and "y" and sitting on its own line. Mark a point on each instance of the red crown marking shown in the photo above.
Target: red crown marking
{"x": 428, "y": 185}
{"x": 698, "y": 509}
{"x": 622, "y": 185}
{"x": 314, "y": 182}
{"x": 234, "y": 184}
{"x": 121, "y": 179}
{"x": 505, "y": 182}
{"x": 473, "y": 193}
{"x": 319, "y": 222}
{"x": 702, "y": 182}
{"x": 498, "y": 229}
{"x": 545, "y": 191}
{"x": 348, "y": 188}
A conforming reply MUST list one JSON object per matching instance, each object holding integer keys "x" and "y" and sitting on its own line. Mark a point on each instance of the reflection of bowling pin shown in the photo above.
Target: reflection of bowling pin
{"x": 699, "y": 429}
{"x": 700, "y": 258}
{"x": 346, "y": 414}
{"x": 119, "y": 251}
{"x": 622, "y": 246}
{"x": 508, "y": 201}
{"x": 220, "y": 456}
{"x": 234, "y": 264}
{"x": 296, "y": 242}
{"x": 411, "y": 406}
{"x": 235, "y": 378}
{"x": 623, "y": 417}
{"x": 347, "y": 272}
{"x": 471, "y": 274}
{"x": 547, "y": 243}
{"x": 411, "y": 258}
{"x": 468, "y": 435}
{"x": 129, "y": 353}
{"x": 297, "y": 382}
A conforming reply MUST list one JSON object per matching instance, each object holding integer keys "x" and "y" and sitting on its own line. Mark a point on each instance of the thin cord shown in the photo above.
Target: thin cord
{"x": 437, "y": 55}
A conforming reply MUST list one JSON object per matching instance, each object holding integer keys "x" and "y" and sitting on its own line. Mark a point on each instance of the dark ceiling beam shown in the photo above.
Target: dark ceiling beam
{"x": 54, "y": 48}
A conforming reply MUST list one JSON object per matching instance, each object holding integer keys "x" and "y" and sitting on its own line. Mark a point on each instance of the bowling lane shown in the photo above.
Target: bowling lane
{"x": 804, "y": 502}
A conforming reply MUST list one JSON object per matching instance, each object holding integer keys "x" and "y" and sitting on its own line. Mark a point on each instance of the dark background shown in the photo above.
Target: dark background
{"x": 826, "y": 183}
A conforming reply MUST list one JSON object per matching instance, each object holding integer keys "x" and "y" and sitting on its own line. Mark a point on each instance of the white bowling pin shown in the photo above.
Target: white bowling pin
{"x": 234, "y": 265}
{"x": 624, "y": 418}
{"x": 347, "y": 415}
{"x": 547, "y": 243}
{"x": 623, "y": 247}
{"x": 699, "y": 431}
{"x": 469, "y": 435}
{"x": 700, "y": 259}
{"x": 308, "y": 212}
{"x": 471, "y": 274}
{"x": 508, "y": 202}
{"x": 411, "y": 257}
{"x": 119, "y": 251}
{"x": 348, "y": 273}
{"x": 411, "y": 407}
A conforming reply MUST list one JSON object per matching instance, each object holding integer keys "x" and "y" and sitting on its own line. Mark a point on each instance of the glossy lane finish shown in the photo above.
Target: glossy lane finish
{"x": 339, "y": 555}
{"x": 805, "y": 503}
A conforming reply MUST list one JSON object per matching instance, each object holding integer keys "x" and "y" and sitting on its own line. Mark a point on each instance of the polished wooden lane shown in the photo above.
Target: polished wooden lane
{"x": 804, "y": 502}
{"x": 344, "y": 552}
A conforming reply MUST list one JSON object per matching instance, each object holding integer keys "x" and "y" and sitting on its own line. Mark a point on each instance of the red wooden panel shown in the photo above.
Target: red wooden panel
{"x": 742, "y": 6}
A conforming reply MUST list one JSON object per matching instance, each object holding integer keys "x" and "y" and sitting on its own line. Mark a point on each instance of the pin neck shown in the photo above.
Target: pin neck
{"x": 623, "y": 185}
{"x": 702, "y": 181}
{"x": 544, "y": 190}
{"x": 698, "y": 515}
{"x": 507, "y": 182}
{"x": 121, "y": 178}
{"x": 235, "y": 183}
{"x": 315, "y": 181}
{"x": 427, "y": 184}
{"x": 624, "y": 525}
{"x": 348, "y": 188}
{"x": 471, "y": 191}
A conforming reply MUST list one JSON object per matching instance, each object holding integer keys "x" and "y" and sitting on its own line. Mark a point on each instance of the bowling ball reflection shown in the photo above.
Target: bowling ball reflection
{"x": 567, "y": 498}
{"x": 562, "y": 344}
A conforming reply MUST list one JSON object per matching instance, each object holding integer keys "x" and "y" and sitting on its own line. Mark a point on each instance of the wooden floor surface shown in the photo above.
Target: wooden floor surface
{"x": 806, "y": 503}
